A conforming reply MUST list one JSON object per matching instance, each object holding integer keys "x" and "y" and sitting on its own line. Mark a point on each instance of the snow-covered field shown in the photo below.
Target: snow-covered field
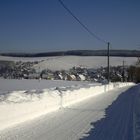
{"x": 22, "y": 104}
{"x": 67, "y": 62}
{"x": 30, "y": 84}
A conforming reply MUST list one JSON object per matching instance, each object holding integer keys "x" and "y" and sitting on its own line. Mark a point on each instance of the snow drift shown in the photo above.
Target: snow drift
{"x": 21, "y": 106}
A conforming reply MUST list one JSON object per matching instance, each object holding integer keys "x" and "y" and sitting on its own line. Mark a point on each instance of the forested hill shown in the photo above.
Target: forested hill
{"x": 123, "y": 53}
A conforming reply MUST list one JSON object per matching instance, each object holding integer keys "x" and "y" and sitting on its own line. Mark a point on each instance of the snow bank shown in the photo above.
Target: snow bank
{"x": 20, "y": 106}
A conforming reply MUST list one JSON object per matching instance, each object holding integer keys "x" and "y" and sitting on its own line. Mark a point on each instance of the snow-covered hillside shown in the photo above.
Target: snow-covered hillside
{"x": 67, "y": 62}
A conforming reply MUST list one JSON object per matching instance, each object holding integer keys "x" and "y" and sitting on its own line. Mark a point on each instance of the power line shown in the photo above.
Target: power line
{"x": 91, "y": 33}
{"x": 82, "y": 24}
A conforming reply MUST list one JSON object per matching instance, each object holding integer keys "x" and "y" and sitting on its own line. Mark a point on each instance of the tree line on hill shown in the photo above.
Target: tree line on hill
{"x": 119, "y": 53}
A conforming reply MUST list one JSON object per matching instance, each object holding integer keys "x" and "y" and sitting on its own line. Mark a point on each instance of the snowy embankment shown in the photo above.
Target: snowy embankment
{"x": 20, "y": 106}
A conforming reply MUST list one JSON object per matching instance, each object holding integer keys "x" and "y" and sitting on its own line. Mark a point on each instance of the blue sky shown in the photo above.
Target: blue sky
{"x": 44, "y": 25}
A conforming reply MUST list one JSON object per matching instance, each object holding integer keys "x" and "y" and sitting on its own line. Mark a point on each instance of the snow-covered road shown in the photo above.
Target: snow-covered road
{"x": 111, "y": 116}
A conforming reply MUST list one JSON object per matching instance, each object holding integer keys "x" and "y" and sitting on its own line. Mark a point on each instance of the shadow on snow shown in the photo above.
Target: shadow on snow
{"x": 118, "y": 122}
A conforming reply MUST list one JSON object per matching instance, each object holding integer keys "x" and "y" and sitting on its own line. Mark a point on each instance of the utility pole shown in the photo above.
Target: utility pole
{"x": 108, "y": 61}
{"x": 123, "y": 72}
